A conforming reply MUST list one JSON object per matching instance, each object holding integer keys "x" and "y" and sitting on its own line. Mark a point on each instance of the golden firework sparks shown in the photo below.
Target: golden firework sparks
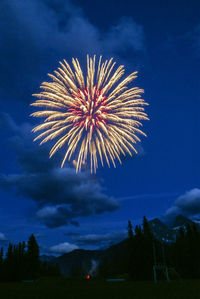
{"x": 97, "y": 117}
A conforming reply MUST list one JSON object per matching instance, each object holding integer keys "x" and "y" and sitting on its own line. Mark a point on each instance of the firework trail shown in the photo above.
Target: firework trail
{"x": 96, "y": 117}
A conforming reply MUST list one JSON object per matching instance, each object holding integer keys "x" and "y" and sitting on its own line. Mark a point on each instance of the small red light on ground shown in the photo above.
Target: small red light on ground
{"x": 88, "y": 276}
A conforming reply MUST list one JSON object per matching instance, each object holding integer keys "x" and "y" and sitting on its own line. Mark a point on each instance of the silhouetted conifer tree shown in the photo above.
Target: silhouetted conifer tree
{"x": 138, "y": 231}
{"x": 1, "y": 256}
{"x": 141, "y": 256}
{"x": 1, "y": 263}
{"x": 146, "y": 229}
{"x": 182, "y": 257}
{"x": 33, "y": 261}
{"x": 130, "y": 230}
{"x": 20, "y": 263}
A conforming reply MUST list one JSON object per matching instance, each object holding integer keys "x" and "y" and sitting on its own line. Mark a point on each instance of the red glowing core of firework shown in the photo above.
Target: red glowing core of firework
{"x": 90, "y": 110}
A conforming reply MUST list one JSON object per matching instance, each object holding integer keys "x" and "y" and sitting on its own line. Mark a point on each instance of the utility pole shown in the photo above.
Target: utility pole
{"x": 164, "y": 263}
{"x": 162, "y": 267}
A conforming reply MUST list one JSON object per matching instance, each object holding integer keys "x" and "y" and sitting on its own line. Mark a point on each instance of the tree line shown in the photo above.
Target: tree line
{"x": 141, "y": 251}
{"x": 135, "y": 257}
{"x": 22, "y": 262}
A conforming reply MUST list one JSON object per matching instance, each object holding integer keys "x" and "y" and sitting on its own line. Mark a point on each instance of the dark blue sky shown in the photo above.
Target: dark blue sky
{"x": 160, "y": 39}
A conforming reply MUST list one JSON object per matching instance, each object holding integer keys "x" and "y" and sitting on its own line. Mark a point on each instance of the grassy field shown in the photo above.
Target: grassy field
{"x": 96, "y": 289}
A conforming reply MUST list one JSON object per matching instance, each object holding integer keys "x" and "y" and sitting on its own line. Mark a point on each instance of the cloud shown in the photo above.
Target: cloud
{"x": 72, "y": 234}
{"x": 61, "y": 195}
{"x": 101, "y": 239}
{"x": 63, "y": 248}
{"x": 7, "y": 122}
{"x": 148, "y": 196}
{"x": 39, "y": 236}
{"x": 187, "y": 204}
{"x": 2, "y": 237}
{"x": 127, "y": 34}
{"x": 36, "y": 34}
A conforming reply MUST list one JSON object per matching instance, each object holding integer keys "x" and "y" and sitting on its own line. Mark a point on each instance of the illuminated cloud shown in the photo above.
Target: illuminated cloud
{"x": 100, "y": 239}
{"x": 61, "y": 195}
{"x": 2, "y": 237}
{"x": 63, "y": 248}
{"x": 39, "y": 33}
{"x": 187, "y": 204}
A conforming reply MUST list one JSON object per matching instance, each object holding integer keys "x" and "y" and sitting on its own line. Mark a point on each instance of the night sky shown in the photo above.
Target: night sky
{"x": 65, "y": 210}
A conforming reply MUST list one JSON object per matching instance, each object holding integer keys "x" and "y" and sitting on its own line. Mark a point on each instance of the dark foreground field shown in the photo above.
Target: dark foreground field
{"x": 64, "y": 288}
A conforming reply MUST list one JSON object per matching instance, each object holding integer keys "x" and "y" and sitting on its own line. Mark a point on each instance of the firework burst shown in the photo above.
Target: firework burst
{"x": 96, "y": 117}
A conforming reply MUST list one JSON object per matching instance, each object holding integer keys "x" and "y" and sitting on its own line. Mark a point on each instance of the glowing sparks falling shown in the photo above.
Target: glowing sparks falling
{"x": 93, "y": 117}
